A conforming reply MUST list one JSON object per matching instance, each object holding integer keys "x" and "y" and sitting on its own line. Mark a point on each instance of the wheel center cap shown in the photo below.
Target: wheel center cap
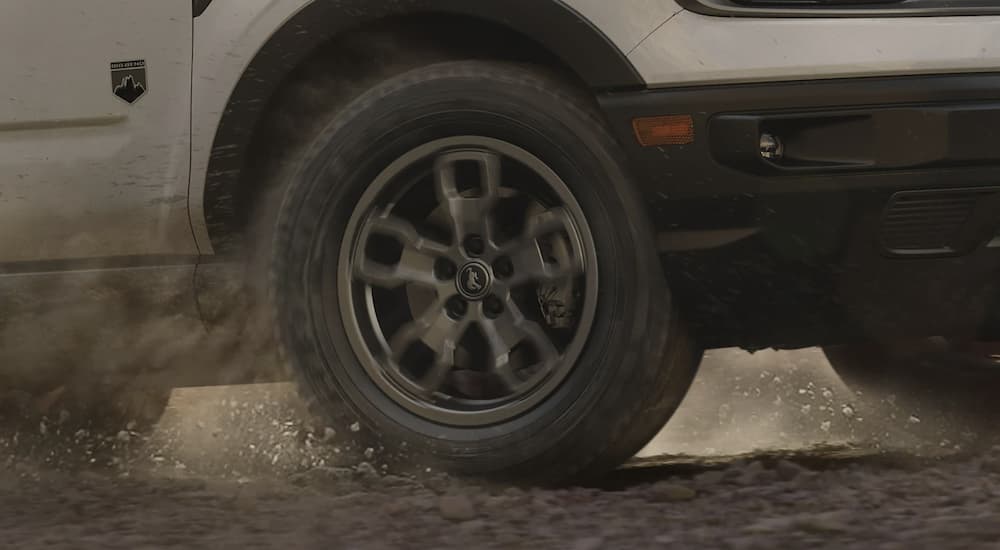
{"x": 474, "y": 280}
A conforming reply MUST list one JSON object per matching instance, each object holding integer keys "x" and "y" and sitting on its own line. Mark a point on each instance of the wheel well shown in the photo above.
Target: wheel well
{"x": 329, "y": 75}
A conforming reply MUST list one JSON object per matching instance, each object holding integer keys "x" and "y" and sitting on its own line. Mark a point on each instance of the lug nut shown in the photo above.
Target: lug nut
{"x": 456, "y": 307}
{"x": 474, "y": 245}
{"x": 493, "y": 307}
{"x": 503, "y": 268}
{"x": 444, "y": 269}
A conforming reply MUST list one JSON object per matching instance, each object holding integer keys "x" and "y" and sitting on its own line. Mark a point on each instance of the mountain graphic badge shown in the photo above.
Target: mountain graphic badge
{"x": 128, "y": 80}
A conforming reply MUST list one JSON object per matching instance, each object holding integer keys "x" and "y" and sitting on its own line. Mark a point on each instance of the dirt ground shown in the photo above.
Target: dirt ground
{"x": 767, "y": 451}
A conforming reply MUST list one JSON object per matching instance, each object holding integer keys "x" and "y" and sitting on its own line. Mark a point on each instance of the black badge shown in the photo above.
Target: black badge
{"x": 128, "y": 79}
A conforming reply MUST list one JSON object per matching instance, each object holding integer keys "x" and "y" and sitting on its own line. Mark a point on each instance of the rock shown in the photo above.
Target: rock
{"x": 456, "y": 508}
{"x": 245, "y": 502}
{"x": 826, "y": 522}
{"x": 991, "y": 464}
{"x": 766, "y": 477}
{"x": 589, "y": 543}
{"x": 787, "y": 471}
{"x": 732, "y": 473}
{"x": 398, "y": 481}
{"x": 356, "y": 427}
{"x": 365, "y": 469}
{"x": 472, "y": 526}
{"x": 670, "y": 492}
{"x": 711, "y": 477}
{"x": 544, "y": 502}
{"x": 771, "y": 525}
{"x": 748, "y": 473}
{"x": 328, "y": 434}
{"x": 440, "y": 484}
{"x": 320, "y": 475}
{"x": 819, "y": 523}
{"x": 339, "y": 473}
{"x": 496, "y": 503}
{"x": 514, "y": 492}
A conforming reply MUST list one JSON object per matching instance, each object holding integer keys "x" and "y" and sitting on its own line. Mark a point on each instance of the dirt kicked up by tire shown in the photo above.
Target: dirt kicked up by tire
{"x": 463, "y": 263}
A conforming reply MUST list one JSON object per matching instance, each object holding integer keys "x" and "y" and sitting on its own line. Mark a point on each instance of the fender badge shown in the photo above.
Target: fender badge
{"x": 128, "y": 80}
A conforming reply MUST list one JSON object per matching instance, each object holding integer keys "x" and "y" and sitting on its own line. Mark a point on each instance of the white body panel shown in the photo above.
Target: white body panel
{"x": 84, "y": 174}
{"x": 628, "y": 23}
{"x": 696, "y": 49}
{"x": 226, "y": 38}
{"x": 231, "y": 32}
{"x": 667, "y": 45}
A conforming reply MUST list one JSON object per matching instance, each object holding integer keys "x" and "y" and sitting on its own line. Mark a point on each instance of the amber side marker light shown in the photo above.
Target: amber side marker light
{"x": 664, "y": 130}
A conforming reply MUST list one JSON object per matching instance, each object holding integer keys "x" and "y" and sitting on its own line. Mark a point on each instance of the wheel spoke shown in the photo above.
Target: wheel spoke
{"x": 507, "y": 331}
{"x": 547, "y": 222}
{"x": 543, "y": 345}
{"x": 416, "y": 264}
{"x": 468, "y": 215}
{"x": 394, "y": 276}
{"x": 502, "y": 335}
{"x": 435, "y": 377}
{"x": 434, "y": 328}
{"x": 406, "y": 233}
{"x": 526, "y": 255}
{"x": 437, "y": 331}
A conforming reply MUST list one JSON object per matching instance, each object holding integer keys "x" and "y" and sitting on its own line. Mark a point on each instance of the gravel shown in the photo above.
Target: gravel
{"x": 244, "y": 471}
{"x": 841, "y": 503}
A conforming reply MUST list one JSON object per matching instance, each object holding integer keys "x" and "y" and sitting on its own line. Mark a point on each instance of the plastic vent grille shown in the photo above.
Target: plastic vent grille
{"x": 929, "y": 222}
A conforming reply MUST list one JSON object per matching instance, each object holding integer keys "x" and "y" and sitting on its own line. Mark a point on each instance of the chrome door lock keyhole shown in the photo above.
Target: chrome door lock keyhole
{"x": 771, "y": 147}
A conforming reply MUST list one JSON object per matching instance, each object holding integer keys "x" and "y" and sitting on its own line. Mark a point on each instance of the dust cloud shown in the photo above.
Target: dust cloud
{"x": 739, "y": 403}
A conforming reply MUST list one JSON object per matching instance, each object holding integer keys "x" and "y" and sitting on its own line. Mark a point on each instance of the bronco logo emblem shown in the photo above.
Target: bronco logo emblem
{"x": 474, "y": 281}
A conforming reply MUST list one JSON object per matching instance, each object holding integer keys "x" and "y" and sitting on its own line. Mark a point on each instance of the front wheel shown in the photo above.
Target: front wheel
{"x": 463, "y": 262}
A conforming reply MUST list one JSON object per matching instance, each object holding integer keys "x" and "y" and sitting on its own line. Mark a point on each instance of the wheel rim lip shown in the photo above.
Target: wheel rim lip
{"x": 401, "y": 390}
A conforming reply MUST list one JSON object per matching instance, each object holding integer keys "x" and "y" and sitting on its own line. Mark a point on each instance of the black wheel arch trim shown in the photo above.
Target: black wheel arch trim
{"x": 552, "y": 24}
{"x": 819, "y": 8}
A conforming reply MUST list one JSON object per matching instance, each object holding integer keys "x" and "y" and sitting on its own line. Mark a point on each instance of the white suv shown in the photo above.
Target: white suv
{"x": 501, "y": 232}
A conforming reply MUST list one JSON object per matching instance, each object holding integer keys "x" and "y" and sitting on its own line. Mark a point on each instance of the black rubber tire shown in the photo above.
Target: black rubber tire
{"x": 639, "y": 361}
{"x": 935, "y": 397}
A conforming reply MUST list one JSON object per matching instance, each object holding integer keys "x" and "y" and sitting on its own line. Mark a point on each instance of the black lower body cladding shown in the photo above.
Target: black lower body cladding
{"x": 878, "y": 218}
